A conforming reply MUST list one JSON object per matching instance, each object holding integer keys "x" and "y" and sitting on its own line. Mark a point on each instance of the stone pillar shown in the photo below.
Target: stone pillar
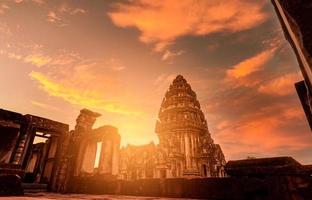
{"x": 19, "y": 150}
{"x": 59, "y": 182}
{"x": 115, "y": 159}
{"x": 85, "y": 120}
{"x": 182, "y": 143}
{"x": 24, "y": 134}
{"x": 72, "y": 160}
{"x": 187, "y": 151}
{"x": 193, "y": 150}
{"x": 106, "y": 157}
{"x": 89, "y": 158}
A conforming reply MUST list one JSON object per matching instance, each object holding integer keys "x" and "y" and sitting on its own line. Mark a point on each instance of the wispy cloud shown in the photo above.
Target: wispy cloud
{"x": 37, "y": 60}
{"x": 3, "y": 8}
{"x": 61, "y": 14}
{"x": 283, "y": 85}
{"x": 267, "y": 132}
{"x": 249, "y": 72}
{"x": 34, "y": 1}
{"x": 168, "y": 55}
{"x": 251, "y": 64}
{"x": 88, "y": 98}
{"x": 113, "y": 64}
{"x": 40, "y": 59}
{"x": 43, "y": 105}
{"x": 161, "y": 22}
{"x": 52, "y": 17}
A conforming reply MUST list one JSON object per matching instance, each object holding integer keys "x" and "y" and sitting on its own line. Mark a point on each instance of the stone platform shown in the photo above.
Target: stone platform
{"x": 56, "y": 196}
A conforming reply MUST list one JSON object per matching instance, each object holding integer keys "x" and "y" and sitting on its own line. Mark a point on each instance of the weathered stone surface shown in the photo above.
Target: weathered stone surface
{"x": 10, "y": 185}
{"x": 295, "y": 17}
{"x": 11, "y": 169}
{"x": 20, "y": 154}
{"x": 267, "y": 167}
{"x": 85, "y": 120}
{"x": 56, "y": 196}
{"x": 185, "y": 148}
{"x": 231, "y": 188}
{"x": 300, "y": 14}
{"x": 10, "y": 116}
{"x": 84, "y": 145}
{"x": 184, "y": 136}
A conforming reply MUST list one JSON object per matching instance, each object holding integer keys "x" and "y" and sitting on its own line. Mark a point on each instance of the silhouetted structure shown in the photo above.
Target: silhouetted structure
{"x": 20, "y": 154}
{"x": 46, "y": 155}
{"x": 295, "y": 17}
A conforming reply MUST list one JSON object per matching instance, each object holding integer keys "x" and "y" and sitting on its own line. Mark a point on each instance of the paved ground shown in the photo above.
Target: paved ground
{"x": 48, "y": 196}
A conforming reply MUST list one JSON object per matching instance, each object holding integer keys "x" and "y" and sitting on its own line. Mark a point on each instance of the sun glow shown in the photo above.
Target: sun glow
{"x": 98, "y": 154}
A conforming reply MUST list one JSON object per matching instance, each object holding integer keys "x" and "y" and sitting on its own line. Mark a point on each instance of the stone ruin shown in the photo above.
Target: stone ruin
{"x": 45, "y": 154}
{"x": 185, "y": 148}
{"x": 38, "y": 154}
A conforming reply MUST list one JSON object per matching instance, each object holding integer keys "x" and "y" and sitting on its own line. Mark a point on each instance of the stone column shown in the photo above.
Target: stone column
{"x": 193, "y": 149}
{"x": 19, "y": 150}
{"x": 24, "y": 134}
{"x": 89, "y": 158}
{"x": 182, "y": 143}
{"x": 115, "y": 159}
{"x": 106, "y": 159}
{"x": 187, "y": 151}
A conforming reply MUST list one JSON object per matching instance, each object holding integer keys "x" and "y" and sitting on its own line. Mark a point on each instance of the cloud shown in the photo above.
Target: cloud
{"x": 65, "y": 8}
{"x": 250, "y": 65}
{"x": 169, "y": 55}
{"x": 113, "y": 64}
{"x": 162, "y": 22}
{"x": 61, "y": 14}
{"x": 283, "y": 85}
{"x": 3, "y": 8}
{"x": 38, "y": 60}
{"x": 250, "y": 72}
{"x": 266, "y": 132}
{"x": 14, "y": 56}
{"x": 38, "y": 1}
{"x": 87, "y": 98}
{"x": 34, "y": 1}
{"x": 52, "y": 17}
{"x": 43, "y": 105}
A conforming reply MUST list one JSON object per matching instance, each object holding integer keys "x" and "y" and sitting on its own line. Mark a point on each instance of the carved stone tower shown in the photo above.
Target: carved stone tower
{"x": 184, "y": 137}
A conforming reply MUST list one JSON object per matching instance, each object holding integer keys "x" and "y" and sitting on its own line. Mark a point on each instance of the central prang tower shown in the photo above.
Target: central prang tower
{"x": 184, "y": 137}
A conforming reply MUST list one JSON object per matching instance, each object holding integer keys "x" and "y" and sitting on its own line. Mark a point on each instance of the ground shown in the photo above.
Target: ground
{"x": 55, "y": 196}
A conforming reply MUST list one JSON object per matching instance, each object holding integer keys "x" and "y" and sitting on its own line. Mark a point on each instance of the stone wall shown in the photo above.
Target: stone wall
{"x": 274, "y": 187}
{"x": 265, "y": 179}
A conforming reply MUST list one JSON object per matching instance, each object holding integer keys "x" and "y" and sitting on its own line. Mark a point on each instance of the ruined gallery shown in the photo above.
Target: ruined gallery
{"x": 43, "y": 151}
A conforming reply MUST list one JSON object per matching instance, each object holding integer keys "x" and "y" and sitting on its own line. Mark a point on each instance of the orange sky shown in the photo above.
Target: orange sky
{"x": 118, "y": 58}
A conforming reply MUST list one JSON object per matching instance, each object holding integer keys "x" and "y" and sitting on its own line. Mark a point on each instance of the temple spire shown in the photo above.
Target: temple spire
{"x": 183, "y": 132}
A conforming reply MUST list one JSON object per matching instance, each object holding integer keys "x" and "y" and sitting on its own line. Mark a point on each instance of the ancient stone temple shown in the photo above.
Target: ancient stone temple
{"x": 184, "y": 137}
{"x": 185, "y": 147}
{"x": 46, "y": 155}
{"x": 30, "y": 147}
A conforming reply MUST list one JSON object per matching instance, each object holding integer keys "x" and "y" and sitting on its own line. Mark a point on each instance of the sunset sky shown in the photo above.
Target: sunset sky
{"x": 118, "y": 58}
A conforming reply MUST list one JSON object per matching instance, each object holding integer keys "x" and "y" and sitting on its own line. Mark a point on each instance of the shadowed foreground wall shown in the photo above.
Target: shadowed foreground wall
{"x": 273, "y": 187}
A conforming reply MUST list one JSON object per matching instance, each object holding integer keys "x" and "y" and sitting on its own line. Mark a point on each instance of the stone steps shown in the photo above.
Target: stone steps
{"x": 34, "y": 187}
